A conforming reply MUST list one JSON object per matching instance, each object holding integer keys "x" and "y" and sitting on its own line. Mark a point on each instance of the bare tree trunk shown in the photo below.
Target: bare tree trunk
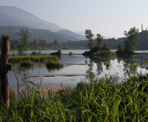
{"x": 4, "y": 67}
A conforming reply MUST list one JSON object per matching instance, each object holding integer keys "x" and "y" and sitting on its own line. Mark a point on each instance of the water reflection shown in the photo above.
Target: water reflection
{"x": 129, "y": 63}
{"x": 128, "y": 59}
{"x": 53, "y": 68}
{"x": 100, "y": 62}
{"x": 115, "y": 68}
{"x": 111, "y": 67}
{"x": 89, "y": 73}
{"x": 26, "y": 68}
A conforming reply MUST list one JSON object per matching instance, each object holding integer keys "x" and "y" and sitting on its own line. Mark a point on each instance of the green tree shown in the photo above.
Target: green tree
{"x": 55, "y": 43}
{"x": 106, "y": 47}
{"x": 99, "y": 40}
{"x": 89, "y": 36}
{"x": 24, "y": 38}
{"x": 24, "y": 34}
{"x": 130, "y": 40}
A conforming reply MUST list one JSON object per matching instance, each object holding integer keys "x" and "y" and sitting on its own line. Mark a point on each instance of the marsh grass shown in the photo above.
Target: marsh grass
{"x": 26, "y": 63}
{"x": 33, "y": 58}
{"x": 51, "y": 65}
{"x": 102, "y": 100}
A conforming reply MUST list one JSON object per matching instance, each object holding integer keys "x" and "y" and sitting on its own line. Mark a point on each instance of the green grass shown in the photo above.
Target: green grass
{"x": 103, "y": 101}
{"x": 26, "y": 61}
{"x": 51, "y": 65}
{"x": 33, "y": 58}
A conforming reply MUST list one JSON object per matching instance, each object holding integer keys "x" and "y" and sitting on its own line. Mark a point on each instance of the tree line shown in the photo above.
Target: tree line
{"x": 142, "y": 43}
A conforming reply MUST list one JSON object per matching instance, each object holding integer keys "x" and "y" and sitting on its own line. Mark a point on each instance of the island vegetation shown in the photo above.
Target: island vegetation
{"x": 51, "y": 61}
{"x": 97, "y": 52}
{"x": 127, "y": 48}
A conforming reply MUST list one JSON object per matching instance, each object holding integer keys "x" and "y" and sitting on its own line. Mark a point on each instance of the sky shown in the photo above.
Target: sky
{"x": 110, "y": 18}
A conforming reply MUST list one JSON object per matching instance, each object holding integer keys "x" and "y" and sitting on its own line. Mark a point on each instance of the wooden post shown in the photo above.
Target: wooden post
{"x": 4, "y": 67}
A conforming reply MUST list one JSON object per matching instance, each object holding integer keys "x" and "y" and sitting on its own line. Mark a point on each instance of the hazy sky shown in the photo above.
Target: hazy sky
{"x": 107, "y": 17}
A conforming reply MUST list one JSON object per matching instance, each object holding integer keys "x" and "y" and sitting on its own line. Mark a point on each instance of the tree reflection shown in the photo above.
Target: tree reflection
{"x": 129, "y": 61}
{"x": 99, "y": 63}
{"x": 90, "y": 75}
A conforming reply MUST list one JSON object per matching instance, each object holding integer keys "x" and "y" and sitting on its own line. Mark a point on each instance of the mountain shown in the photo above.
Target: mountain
{"x": 39, "y": 34}
{"x": 13, "y": 19}
{"x": 12, "y": 16}
{"x": 72, "y": 34}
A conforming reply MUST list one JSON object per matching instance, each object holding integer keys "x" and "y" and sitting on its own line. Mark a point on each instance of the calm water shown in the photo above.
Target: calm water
{"x": 73, "y": 64}
{"x": 50, "y": 51}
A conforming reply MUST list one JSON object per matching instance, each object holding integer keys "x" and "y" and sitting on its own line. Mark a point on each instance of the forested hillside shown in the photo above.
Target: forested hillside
{"x": 39, "y": 34}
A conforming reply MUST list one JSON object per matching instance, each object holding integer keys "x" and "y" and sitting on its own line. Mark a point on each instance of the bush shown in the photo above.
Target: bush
{"x": 58, "y": 53}
{"x": 51, "y": 65}
{"x": 70, "y": 53}
{"x": 26, "y": 63}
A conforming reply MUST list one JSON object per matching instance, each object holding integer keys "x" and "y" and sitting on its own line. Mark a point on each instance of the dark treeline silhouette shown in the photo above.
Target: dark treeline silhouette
{"x": 41, "y": 39}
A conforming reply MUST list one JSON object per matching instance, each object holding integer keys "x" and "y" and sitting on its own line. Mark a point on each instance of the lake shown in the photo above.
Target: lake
{"x": 76, "y": 65}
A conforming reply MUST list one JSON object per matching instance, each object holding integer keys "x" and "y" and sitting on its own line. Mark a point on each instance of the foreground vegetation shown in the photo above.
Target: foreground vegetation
{"x": 104, "y": 101}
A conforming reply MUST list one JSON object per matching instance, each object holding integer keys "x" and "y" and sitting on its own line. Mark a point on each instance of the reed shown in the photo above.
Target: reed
{"x": 101, "y": 100}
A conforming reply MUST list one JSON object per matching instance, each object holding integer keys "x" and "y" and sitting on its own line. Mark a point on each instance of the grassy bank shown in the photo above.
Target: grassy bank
{"x": 33, "y": 58}
{"x": 104, "y": 101}
{"x": 27, "y": 61}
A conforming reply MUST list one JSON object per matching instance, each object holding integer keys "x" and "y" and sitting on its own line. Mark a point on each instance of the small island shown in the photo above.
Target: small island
{"x": 98, "y": 50}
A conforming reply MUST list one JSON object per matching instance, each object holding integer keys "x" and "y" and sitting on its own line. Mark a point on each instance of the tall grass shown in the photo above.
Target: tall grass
{"x": 102, "y": 101}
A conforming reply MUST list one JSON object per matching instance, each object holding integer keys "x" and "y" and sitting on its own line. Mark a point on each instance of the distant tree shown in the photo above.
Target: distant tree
{"x": 89, "y": 36}
{"x": 55, "y": 43}
{"x": 130, "y": 40}
{"x": 126, "y": 49}
{"x": 106, "y": 47}
{"x": 99, "y": 40}
{"x": 119, "y": 48}
{"x": 24, "y": 34}
{"x": 42, "y": 43}
{"x": 14, "y": 44}
{"x": 24, "y": 38}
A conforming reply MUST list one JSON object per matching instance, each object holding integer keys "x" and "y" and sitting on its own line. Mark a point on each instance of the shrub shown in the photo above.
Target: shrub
{"x": 51, "y": 65}
{"x": 58, "y": 53}
{"x": 70, "y": 53}
{"x": 26, "y": 63}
